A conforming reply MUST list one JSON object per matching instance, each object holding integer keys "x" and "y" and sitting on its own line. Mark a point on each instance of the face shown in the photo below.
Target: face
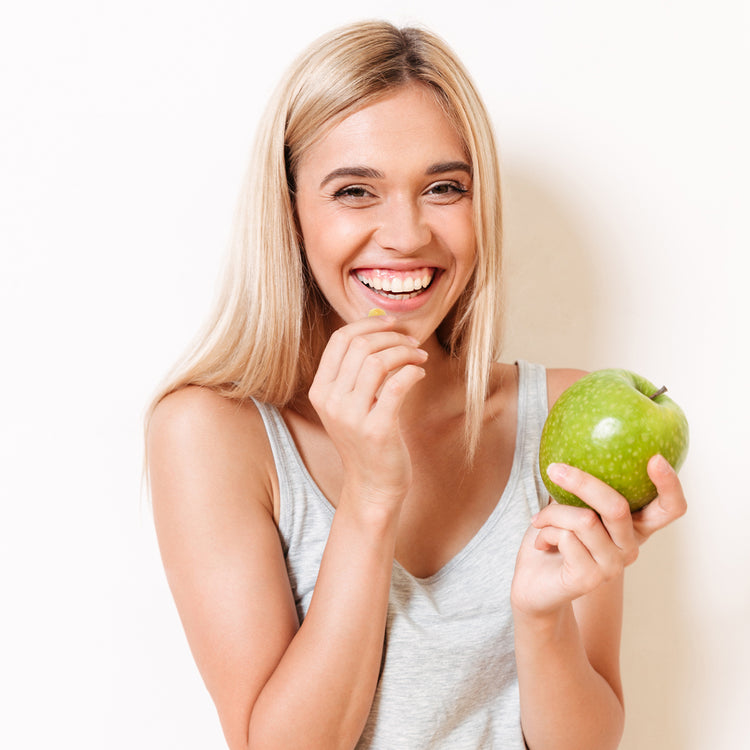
{"x": 384, "y": 204}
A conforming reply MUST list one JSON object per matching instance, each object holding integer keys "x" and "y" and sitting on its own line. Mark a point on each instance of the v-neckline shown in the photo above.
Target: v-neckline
{"x": 485, "y": 527}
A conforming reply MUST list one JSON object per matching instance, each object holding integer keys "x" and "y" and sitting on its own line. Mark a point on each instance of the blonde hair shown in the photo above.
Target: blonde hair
{"x": 265, "y": 336}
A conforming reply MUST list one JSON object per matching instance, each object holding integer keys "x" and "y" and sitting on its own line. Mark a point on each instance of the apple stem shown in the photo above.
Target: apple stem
{"x": 661, "y": 390}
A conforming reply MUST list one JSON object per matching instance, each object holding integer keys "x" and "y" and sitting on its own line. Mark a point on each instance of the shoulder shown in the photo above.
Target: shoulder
{"x": 195, "y": 435}
{"x": 197, "y": 420}
{"x": 504, "y": 379}
{"x": 195, "y": 409}
{"x": 558, "y": 379}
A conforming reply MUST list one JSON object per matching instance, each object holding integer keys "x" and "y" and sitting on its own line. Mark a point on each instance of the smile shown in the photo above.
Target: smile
{"x": 396, "y": 284}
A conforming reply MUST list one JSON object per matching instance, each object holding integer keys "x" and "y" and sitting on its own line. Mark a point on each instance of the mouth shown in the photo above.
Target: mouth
{"x": 392, "y": 284}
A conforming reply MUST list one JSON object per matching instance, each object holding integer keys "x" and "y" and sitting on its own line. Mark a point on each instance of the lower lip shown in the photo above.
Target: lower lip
{"x": 403, "y": 303}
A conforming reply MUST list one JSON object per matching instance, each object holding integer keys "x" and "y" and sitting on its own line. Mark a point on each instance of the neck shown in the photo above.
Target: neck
{"x": 441, "y": 393}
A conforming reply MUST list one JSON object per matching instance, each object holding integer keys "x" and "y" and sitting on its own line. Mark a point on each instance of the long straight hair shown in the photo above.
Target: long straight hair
{"x": 265, "y": 336}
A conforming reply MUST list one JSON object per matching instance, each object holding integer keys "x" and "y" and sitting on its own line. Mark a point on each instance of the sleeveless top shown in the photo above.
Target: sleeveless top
{"x": 448, "y": 675}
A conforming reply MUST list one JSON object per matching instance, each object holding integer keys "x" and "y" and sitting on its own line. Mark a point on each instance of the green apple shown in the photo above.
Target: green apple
{"x": 609, "y": 424}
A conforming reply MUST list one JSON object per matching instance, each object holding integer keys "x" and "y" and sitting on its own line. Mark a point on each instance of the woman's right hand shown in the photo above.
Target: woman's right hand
{"x": 364, "y": 376}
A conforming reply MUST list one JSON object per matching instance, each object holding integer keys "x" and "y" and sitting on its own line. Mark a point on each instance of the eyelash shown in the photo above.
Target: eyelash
{"x": 357, "y": 191}
{"x": 454, "y": 186}
{"x": 352, "y": 191}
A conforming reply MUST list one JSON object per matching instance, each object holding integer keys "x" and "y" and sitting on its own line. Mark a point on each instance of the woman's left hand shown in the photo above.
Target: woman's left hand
{"x": 569, "y": 551}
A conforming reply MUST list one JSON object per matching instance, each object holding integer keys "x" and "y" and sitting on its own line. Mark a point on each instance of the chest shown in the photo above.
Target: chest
{"x": 449, "y": 501}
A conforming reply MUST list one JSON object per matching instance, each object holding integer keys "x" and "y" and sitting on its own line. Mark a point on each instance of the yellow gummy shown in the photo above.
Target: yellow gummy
{"x": 375, "y": 311}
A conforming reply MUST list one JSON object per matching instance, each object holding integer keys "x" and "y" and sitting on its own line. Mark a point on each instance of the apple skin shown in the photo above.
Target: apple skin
{"x": 608, "y": 425}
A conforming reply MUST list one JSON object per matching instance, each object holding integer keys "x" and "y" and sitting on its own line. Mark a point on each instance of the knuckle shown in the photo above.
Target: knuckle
{"x": 376, "y": 365}
{"x": 631, "y": 555}
{"x": 316, "y": 388}
{"x": 588, "y": 519}
{"x": 567, "y": 537}
{"x": 337, "y": 336}
{"x": 394, "y": 386}
{"x": 316, "y": 399}
{"x": 332, "y": 405}
{"x": 359, "y": 344}
{"x": 620, "y": 510}
{"x": 682, "y": 507}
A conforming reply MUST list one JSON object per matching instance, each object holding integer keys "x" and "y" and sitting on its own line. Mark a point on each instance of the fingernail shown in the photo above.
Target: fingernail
{"x": 661, "y": 465}
{"x": 376, "y": 311}
{"x": 557, "y": 471}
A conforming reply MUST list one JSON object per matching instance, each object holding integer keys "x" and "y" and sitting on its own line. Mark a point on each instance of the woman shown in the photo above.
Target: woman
{"x": 348, "y": 505}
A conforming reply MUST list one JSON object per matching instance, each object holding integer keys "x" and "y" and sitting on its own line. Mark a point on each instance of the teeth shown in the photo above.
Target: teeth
{"x": 402, "y": 295}
{"x": 397, "y": 287}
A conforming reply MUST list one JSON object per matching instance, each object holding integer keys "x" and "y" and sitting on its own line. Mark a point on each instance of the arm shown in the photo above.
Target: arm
{"x": 274, "y": 683}
{"x": 567, "y": 604}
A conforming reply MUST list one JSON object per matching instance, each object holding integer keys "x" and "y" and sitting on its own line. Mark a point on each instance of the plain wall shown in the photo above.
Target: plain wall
{"x": 124, "y": 133}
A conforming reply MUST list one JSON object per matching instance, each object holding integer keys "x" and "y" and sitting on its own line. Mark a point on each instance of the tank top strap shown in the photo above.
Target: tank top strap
{"x": 293, "y": 478}
{"x": 532, "y": 412}
{"x": 282, "y": 445}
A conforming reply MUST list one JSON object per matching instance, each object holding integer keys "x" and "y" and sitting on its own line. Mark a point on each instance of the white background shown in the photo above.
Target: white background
{"x": 124, "y": 130}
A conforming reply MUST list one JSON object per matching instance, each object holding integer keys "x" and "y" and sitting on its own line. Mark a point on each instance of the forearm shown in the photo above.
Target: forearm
{"x": 565, "y": 703}
{"x": 322, "y": 689}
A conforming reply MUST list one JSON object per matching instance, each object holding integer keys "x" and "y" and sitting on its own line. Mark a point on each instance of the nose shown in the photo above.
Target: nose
{"x": 402, "y": 227}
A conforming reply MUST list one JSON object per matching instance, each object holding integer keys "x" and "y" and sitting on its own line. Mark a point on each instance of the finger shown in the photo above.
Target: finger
{"x": 381, "y": 365}
{"x": 611, "y": 506}
{"x": 589, "y": 528}
{"x": 580, "y": 572}
{"x": 394, "y": 391}
{"x": 339, "y": 342}
{"x": 375, "y": 356}
{"x": 345, "y": 355}
{"x": 669, "y": 503}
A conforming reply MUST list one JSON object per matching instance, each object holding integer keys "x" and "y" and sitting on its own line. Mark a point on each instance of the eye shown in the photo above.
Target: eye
{"x": 354, "y": 194}
{"x": 446, "y": 192}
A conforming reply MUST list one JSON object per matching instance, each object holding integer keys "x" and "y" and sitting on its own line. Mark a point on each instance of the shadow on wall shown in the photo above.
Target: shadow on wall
{"x": 556, "y": 314}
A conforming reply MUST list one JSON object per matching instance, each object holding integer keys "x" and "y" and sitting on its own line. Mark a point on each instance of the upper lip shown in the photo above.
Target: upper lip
{"x": 398, "y": 266}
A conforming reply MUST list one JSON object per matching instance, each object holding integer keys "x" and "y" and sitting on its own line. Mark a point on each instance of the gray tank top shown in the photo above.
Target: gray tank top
{"x": 448, "y": 677}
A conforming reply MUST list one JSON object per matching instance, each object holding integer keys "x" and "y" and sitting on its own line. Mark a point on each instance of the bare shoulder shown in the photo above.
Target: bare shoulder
{"x": 212, "y": 486}
{"x": 194, "y": 411}
{"x": 195, "y": 435}
{"x": 559, "y": 379}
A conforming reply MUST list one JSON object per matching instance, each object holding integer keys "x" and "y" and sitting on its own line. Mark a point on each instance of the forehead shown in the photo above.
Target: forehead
{"x": 408, "y": 125}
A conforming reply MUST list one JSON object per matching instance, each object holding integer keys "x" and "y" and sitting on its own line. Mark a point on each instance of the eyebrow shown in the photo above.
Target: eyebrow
{"x": 366, "y": 172}
{"x": 450, "y": 166}
{"x": 374, "y": 174}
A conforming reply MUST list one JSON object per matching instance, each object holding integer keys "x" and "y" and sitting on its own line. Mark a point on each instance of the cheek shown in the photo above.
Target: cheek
{"x": 325, "y": 251}
{"x": 463, "y": 241}
{"x": 331, "y": 240}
